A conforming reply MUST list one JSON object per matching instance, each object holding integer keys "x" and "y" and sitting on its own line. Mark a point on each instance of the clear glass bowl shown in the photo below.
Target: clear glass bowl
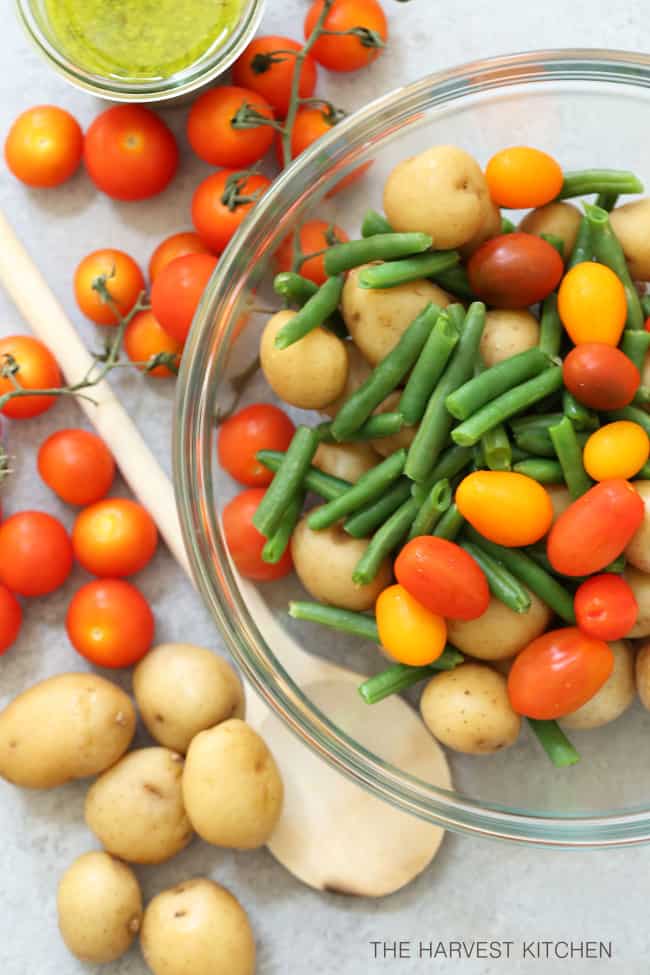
{"x": 587, "y": 108}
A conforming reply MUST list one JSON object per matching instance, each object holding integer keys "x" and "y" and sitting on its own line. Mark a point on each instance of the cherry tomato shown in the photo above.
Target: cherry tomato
{"x": 514, "y": 270}
{"x": 11, "y": 617}
{"x": 177, "y": 290}
{"x": 347, "y": 53}
{"x": 617, "y": 449}
{"x": 646, "y": 324}
{"x": 261, "y": 426}
{"x": 313, "y": 237}
{"x": 595, "y": 529}
{"x": 408, "y": 631}
{"x": 44, "y": 146}
{"x": 600, "y": 376}
{"x": 557, "y": 673}
{"x": 35, "y": 553}
{"x": 37, "y": 370}
{"x": 77, "y": 465}
{"x": 130, "y": 153}
{"x": 606, "y": 607}
{"x": 592, "y": 305}
{"x": 178, "y": 245}
{"x": 521, "y": 177}
{"x": 509, "y": 509}
{"x": 110, "y": 623}
{"x": 213, "y": 133}
{"x": 114, "y": 538}
{"x": 443, "y": 577}
{"x": 310, "y": 124}
{"x": 124, "y": 281}
{"x": 245, "y": 543}
{"x": 217, "y": 220}
{"x": 145, "y": 338}
{"x": 270, "y": 74}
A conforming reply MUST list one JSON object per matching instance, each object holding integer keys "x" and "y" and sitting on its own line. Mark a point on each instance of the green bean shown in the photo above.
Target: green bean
{"x": 364, "y": 522}
{"x": 644, "y": 473}
{"x": 456, "y": 281}
{"x": 451, "y": 462}
{"x": 375, "y": 428}
{"x": 503, "y": 585}
{"x": 556, "y": 242}
{"x": 535, "y": 421}
{"x": 428, "y": 369}
{"x": 490, "y": 383}
{"x": 632, "y": 413}
{"x": 585, "y": 181}
{"x": 535, "y": 441}
{"x": 345, "y": 620}
{"x": 457, "y": 315}
{"x": 392, "y": 273}
{"x": 519, "y": 455}
{"x": 635, "y": 344}
{"x": 434, "y": 429}
{"x": 287, "y": 482}
{"x": 294, "y": 287}
{"x": 524, "y": 568}
{"x": 312, "y": 314}
{"x": 399, "y": 677}
{"x": 570, "y": 456}
{"x": 582, "y": 249}
{"x": 506, "y": 405}
{"x": 380, "y": 247}
{"x": 645, "y": 305}
{"x": 374, "y": 223}
{"x": 581, "y": 417}
{"x": 607, "y": 200}
{"x": 434, "y": 505}
{"x": 550, "y": 327}
{"x": 540, "y": 469}
{"x": 328, "y": 486}
{"x": 617, "y": 566}
{"x": 383, "y": 542}
{"x": 277, "y": 542}
{"x": 496, "y": 449}
{"x": 507, "y": 226}
{"x": 450, "y": 524}
{"x": 371, "y": 485}
{"x": 554, "y": 742}
{"x": 608, "y": 251}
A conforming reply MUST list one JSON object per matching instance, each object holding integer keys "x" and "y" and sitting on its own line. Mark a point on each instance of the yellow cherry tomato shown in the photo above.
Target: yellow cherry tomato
{"x": 592, "y": 304}
{"x": 521, "y": 176}
{"x": 509, "y": 509}
{"x": 618, "y": 449}
{"x": 407, "y": 631}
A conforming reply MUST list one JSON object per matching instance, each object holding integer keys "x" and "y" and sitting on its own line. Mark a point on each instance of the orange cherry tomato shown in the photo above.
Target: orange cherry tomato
{"x": 245, "y": 543}
{"x": 313, "y": 237}
{"x": 11, "y": 616}
{"x": 261, "y": 426}
{"x": 606, "y": 607}
{"x": 443, "y": 577}
{"x": 507, "y": 508}
{"x": 177, "y": 290}
{"x": 514, "y": 270}
{"x": 110, "y": 623}
{"x": 521, "y": 176}
{"x": 77, "y": 465}
{"x": 347, "y": 53}
{"x": 145, "y": 338}
{"x": 600, "y": 376}
{"x": 37, "y": 369}
{"x": 215, "y": 218}
{"x": 212, "y": 131}
{"x": 595, "y": 529}
{"x": 115, "y": 537}
{"x": 592, "y": 305}
{"x": 44, "y": 146}
{"x": 35, "y": 553}
{"x": 310, "y": 124}
{"x": 617, "y": 449}
{"x": 124, "y": 281}
{"x": 408, "y": 631}
{"x": 178, "y": 245}
{"x": 557, "y": 673}
{"x": 268, "y": 65}
{"x": 130, "y": 153}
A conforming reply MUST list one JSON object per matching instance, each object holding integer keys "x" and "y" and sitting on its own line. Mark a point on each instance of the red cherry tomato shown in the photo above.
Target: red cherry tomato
{"x": 37, "y": 369}
{"x": 595, "y": 529}
{"x": 215, "y": 218}
{"x": 11, "y": 616}
{"x": 270, "y": 74}
{"x": 606, "y": 607}
{"x": 514, "y": 270}
{"x": 341, "y": 52}
{"x": 176, "y": 292}
{"x": 245, "y": 542}
{"x": 114, "y": 538}
{"x": 35, "y": 553}
{"x": 313, "y": 237}
{"x": 178, "y": 245}
{"x": 600, "y": 376}
{"x": 443, "y": 577}
{"x": 110, "y": 623}
{"x": 310, "y": 124}
{"x": 77, "y": 465}
{"x": 557, "y": 673}
{"x": 212, "y": 133}
{"x": 261, "y": 426}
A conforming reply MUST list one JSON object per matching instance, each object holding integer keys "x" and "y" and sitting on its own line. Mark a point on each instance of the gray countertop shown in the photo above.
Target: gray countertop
{"x": 475, "y": 889}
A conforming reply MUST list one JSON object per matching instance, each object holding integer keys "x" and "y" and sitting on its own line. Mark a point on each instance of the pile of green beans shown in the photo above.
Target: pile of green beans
{"x": 400, "y": 677}
{"x": 313, "y": 313}
{"x": 433, "y": 506}
{"x": 503, "y": 584}
{"x": 325, "y": 485}
{"x": 607, "y": 250}
{"x": 569, "y": 454}
{"x": 585, "y": 181}
{"x": 287, "y": 482}
{"x": 367, "y": 519}
{"x": 375, "y": 428}
{"x": 427, "y": 370}
{"x": 384, "y": 541}
{"x": 490, "y": 383}
{"x": 380, "y": 247}
{"x": 393, "y": 273}
{"x": 368, "y": 488}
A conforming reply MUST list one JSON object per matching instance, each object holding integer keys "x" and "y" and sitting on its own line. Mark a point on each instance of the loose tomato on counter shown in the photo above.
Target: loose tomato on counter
{"x": 261, "y": 426}
{"x": 616, "y": 450}
{"x": 443, "y": 577}
{"x": 221, "y": 202}
{"x": 114, "y": 538}
{"x": 177, "y": 290}
{"x": 592, "y": 304}
{"x": 600, "y": 376}
{"x": 521, "y": 176}
{"x": 11, "y": 616}
{"x": 408, "y": 631}
{"x": 77, "y": 465}
{"x": 124, "y": 281}
{"x": 245, "y": 543}
{"x": 212, "y": 129}
{"x": 351, "y": 52}
{"x": 514, "y": 270}
{"x": 44, "y": 146}
{"x": 606, "y": 607}
{"x": 312, "y": 237}
{"x": 110, "y": 623}
{"x": 177, "y": 245}
{"x": 268, "y": 65}
{"x": 36, "y": 369}
{"x": 507, "y": 508}
{"x": 35, "y": 553}
{"x": 145, "y": 338}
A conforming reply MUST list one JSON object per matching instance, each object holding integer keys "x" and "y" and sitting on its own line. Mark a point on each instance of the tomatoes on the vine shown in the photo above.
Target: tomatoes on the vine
{"x": 110, "y": 623}
{"x": 145, "y": 338}
{"x": 514, "y": 270}
{"x": 360, "y": 30}
{"x": 124, "y": 282}
{"x": 220, "y": 135}
{"x": 36, "y": 368}
{"x": 245, "y": 543}
{"x": 309, "y": 125}
{"x": 600, "y": 376}
{"x": 44, "y": 146}
{"x": 35, "y": 553}
{"x": 11, "y": 616}
{"x": 268, "y": 66}
{"x": 178, "y": 245}
{"x": 261, "y": 426}
{"x": 115, "y": 537}
{"x": 443, "y": 577}
{"x": 177, "y": 291}
{"x": 221, "y": 202}
{"x": 77, "y": 465}
{"x": 314, "y": 236}
{"x": 606, "y": 607}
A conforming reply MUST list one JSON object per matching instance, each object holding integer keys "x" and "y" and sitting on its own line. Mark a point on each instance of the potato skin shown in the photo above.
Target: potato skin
{"x": 66, "y": 727}
{"x": 614, "y": 697}
{"x": 324, "y": 562}
{"x": 500, "y": 632}
{"x": 346, "y": 460}
{"x": 136, "y": 808}
{"x": 468, "y": 709}
{"x": 643, "y": 673}
{"x": 197, "y": 928}
{"x": 640, "y": 585}
{"x": 310, "y": 373}
{"x": 559, "y": 218}
{"x": 99, "y": 905}
{"x": 181, "y": 689}
{"x": 232, "y": 788}
{"x": 358, "y": 371}
{"x": 638, "y": 551}
{"x": 507, "y": 332}
{"x": 490, "y": 226}
{"x": 631, "y": 224}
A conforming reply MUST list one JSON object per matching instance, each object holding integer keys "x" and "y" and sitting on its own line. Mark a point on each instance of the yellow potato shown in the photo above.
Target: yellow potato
{"x": 346, "y": 460}
{"x": 614, "y": 697}
{"x": 358, "y": 371}
{"x": 388, "y": 445}
{"x": 638, "y": 551}
{"x": 310, "y": 373}
{"x": 500, "y": 632}
{"x": 560, "y": 498}
{"x": 643, "y": 673}
{"x": 560, "y": 219}
{"x": 490, "y": 227}
{"x": 507, "y": 331}
{"x": 631, "y": 224}
{"x": 640, "y": 584}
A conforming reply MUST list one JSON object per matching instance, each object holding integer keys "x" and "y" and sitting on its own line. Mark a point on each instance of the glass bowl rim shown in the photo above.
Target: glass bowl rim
{"x": 193, "y": 482}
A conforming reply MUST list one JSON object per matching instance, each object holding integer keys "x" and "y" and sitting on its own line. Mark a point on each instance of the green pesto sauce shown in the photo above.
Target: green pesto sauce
{"x": 142, "y": 39}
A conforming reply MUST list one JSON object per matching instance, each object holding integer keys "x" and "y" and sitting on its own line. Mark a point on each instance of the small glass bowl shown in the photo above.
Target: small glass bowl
{"x": 212, "y": 63}
{"x": 587, "y": 108}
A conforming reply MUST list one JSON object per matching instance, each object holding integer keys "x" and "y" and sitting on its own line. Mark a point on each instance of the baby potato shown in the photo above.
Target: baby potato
{"x": 560, "y": 219}
{"x": 66, "y": 727}
{"x": 614, "y": 697}
{"x": 560, "y": 498}
{"x": 358, "y": 371}
{"x": 468, "y": 709}
{"x": 378, "y": 317}
{"x": 638, "y": 551}
{"x": 181, "y": 689}
{"x": 324, "y": 562}
{"x": 490, "y": 226}
{"x": 441, "y": 192}
{"x": 99, "y": 905}
{"x": 136, "y": 808}
{"x": 643, "y": 674}
{"x": 346, "y": 460}
{"x": 640, "y": 585}
{"x": 631, "y": 224}
{"x": 232, "y": 788}
{"x": 197, "y": 928}
{"x": 507, "y": 331}
{"x": 388, "y": 445}
{"x": 500, "y": 632}
{"x": 310, "y": 373}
